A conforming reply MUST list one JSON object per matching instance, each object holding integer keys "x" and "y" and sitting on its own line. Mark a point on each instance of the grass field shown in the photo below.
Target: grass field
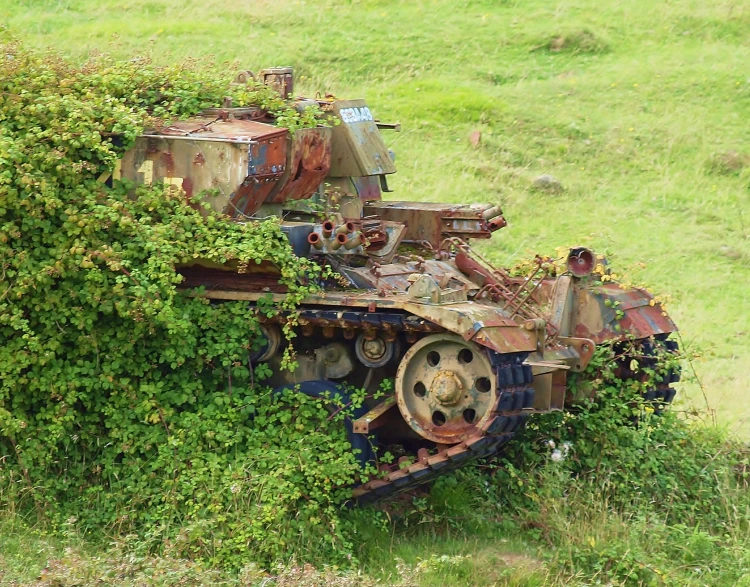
{"x": 641, "y": 109}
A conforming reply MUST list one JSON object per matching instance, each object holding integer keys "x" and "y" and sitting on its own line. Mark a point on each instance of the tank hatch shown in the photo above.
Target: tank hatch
{"x": 243, "y": 163}
{"x": 358, "y": 148}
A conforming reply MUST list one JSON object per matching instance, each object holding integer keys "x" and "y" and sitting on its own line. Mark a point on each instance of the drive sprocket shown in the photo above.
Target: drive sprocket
{"x": 445, "y": 388}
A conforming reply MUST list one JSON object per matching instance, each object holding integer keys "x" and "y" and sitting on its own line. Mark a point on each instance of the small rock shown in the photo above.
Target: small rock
{"x": 548, "y": 183}
{"x": 475, "y": 138}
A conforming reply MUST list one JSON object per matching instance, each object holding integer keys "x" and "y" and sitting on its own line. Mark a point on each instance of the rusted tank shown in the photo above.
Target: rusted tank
{"x": 472, "y": 351}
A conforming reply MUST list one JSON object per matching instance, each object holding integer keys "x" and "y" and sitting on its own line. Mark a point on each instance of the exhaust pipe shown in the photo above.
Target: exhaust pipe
{"x": 497, "y": 222}
{"x": 315, "y": 240}
{"x": 345, "y": 228}
{"x": 354, "y": 242}
{"x": 335, "y": 244}
{"x": 492, "y": 212}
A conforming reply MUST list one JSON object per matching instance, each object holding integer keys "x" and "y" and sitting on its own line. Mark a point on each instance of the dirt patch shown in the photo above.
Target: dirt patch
{"x": 575, "y": 42}
{"x": 521, "y": 561}
{"x": 728, "y": 162}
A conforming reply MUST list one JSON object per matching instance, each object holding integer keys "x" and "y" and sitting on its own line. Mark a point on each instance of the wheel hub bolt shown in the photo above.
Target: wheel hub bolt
{"x": 447, "y": 388}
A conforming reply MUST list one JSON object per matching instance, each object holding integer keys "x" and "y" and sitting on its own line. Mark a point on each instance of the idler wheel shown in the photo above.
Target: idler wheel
{"x": 445, "y": 388}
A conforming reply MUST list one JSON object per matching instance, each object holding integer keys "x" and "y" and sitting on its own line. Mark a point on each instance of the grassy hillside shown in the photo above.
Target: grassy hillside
{"x": 640, "y": 109}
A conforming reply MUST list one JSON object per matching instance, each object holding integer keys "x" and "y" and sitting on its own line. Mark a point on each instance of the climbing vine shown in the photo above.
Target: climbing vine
{"x": 125, "y": 402}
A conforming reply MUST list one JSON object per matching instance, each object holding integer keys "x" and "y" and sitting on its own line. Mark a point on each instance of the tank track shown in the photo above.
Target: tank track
{"x": 661, "y": 394}
{"x": 515, "y": 399}
{"x": 514, "y": 396}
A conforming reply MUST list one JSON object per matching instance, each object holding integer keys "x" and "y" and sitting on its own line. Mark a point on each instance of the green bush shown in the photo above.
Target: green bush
{"x": 627, "y": 495}
{"x": 635, "y": 456}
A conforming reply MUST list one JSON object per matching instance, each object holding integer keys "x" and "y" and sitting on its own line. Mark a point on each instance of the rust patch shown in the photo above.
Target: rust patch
{"x": 597, "y": 314}
{"x": 197, "y": 276}
{"x": 167, "y": 162}
{"x": 187, "y": 187}
{"x": 307, "y": 164}
{"x": 266, "y": 166}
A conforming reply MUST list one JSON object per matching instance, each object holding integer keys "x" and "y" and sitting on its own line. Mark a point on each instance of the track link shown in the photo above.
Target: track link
{"x": 663, "y": 393}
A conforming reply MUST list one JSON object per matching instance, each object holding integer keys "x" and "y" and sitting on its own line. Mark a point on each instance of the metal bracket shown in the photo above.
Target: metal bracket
{"x": 388, "y": 126}
{"x": 425, "y": 289}
{"x": 375, "y": 418}
{"x": 562, "y": 304}
{"x": 584, "y": 347}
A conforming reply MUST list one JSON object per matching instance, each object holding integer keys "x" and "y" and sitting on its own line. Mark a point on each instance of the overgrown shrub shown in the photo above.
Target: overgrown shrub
{"x": 124, "y": 402}
{"x": 635, "y": 457}
{"x": 613, "y": 491}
